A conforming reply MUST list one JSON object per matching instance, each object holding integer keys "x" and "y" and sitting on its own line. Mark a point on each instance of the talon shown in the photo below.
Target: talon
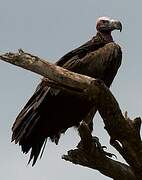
{"x": 101, "y": 148}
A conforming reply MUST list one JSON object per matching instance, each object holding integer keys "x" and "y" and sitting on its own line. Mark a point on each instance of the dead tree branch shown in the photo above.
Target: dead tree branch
{"x": 124, "y": 133}
{"x": 89, "y": 155}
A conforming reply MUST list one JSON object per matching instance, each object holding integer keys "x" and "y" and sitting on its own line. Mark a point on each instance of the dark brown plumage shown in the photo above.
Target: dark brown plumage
{"x": 49, "y": 112}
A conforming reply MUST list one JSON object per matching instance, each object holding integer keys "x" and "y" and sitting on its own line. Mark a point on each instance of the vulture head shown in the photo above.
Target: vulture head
{"x": 106, "y": 25}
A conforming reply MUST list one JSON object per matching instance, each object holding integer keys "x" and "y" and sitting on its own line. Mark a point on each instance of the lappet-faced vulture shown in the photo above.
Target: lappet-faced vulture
{"x": 49, "y": 112}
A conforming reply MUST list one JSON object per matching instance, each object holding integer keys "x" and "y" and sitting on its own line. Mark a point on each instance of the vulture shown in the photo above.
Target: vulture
{"x": 50, "y": 112}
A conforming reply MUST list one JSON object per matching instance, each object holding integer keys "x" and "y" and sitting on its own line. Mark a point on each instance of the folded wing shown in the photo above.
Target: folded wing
{"x": 48, "y": 114}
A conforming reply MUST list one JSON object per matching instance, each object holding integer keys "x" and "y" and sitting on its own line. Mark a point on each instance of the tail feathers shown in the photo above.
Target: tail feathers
{"x": 36, "y": 149}
{"x": 30, "y": 137}
{"x": 28, "y": 126}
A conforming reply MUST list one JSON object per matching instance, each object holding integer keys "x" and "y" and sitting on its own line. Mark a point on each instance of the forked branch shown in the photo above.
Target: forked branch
{"x": 89, "y": 154}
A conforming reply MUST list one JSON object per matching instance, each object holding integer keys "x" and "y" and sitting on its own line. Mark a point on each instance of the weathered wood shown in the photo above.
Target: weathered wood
{"x": 88, "y": 154}
{"x": 42, "y": 67}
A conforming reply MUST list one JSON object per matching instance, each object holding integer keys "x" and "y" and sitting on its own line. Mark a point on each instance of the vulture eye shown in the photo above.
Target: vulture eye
{"x": 103, "y": 21}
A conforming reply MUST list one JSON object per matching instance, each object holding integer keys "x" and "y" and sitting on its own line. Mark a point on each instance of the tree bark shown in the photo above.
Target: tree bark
{"x": 124, "y": 133}
{"x": 89, "y": 155}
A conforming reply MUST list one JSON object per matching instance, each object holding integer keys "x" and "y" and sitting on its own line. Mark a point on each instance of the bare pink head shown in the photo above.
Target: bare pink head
{"x": 106, "y": 25}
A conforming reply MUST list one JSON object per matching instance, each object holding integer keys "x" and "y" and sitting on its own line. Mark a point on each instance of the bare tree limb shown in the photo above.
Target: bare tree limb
{"x": 88, "y": 154}
{"x": 124, "y": 133}
{"x": 42, "y": 67}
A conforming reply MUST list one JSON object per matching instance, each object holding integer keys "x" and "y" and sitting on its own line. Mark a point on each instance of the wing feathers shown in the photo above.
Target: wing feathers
{"x": 39, "y": 119}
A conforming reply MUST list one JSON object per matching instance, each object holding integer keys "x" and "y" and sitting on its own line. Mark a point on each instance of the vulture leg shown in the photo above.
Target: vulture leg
{"x": 89, "y": 118}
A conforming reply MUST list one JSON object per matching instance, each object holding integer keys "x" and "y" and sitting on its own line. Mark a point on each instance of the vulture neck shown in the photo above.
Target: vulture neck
{"x": 106, "y": 36}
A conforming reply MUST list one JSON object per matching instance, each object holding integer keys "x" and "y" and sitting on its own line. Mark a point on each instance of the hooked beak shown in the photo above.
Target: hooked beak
{"x": 116, "y": 25}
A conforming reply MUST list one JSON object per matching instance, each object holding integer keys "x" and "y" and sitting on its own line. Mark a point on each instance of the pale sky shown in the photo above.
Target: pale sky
{"x": 49, "y": 29}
